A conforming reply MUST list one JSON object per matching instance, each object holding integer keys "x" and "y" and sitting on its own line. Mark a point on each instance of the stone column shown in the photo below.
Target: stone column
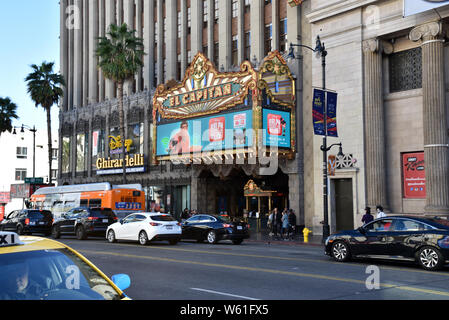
{"x": 196, "y": 42}
{"x": 241, "y": 32}
{"x": 210, "y": 30}
{"x": 257, "y": 30}
{"x": 224, "y": 34}
{"x": 184, "y": 62}
{"x": 374, "y": 122}
{"x": 110, "y": 19}
{"x": 275, "y": 25}
{"x": 93, "y": 35}
{"x": 128, "y": 10}
{"x": 101, "y": 33}
{"x": 86, "y": 57}
{"x": 160, "y": 43}
{"x": 148, "y": 36}
{"x": 171, "y": 53}
{"x": 139, "y": 34}
{"x": 64, "y": 44}
{"x": 436, "y": 148}
{"x": 78, "y": 60}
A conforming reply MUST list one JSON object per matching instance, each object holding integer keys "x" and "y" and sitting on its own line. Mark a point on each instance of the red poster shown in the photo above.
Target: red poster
{"x": 414, "y": 175}
{"x": 217, "y": 129}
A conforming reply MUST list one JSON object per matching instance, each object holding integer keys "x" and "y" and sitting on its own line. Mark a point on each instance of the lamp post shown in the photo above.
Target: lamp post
{"x": 33, "y": 130}
{"x": 320, "y": 50}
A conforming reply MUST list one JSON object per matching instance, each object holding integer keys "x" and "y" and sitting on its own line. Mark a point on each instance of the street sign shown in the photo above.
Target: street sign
{"x": 34, "y": 180}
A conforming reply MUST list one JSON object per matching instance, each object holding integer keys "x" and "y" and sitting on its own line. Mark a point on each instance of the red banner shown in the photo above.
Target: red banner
{"x": 5, "y": 197}
{"x": 414, "y": 175}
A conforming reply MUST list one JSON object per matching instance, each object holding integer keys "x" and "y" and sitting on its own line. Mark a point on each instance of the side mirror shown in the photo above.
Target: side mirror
{"x": 122, "y": 281}
{"x": 121, "y": 221}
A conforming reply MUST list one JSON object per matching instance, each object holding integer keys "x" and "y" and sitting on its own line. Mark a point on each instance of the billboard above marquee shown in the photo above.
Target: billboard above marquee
{"x": 412, "y": 7}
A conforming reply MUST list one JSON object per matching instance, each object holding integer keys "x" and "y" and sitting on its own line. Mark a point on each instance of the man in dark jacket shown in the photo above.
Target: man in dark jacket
{"x": 292, "y": 224}
{"x": 278, "y": 219}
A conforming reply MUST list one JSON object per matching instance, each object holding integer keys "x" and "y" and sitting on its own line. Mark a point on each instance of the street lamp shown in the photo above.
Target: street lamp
{"x": 33, "y": 130}
{"x": 320, "y": 51}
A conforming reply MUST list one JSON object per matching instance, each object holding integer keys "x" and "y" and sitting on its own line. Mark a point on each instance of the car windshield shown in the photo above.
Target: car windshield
{"x": 225, "y": 218}
{"x": 51, "y": 275}
{"x": 162, "y": 218}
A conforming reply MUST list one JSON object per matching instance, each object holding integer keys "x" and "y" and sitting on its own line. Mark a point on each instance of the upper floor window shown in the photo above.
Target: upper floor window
{"x": 268, "y": 37}
{"x": 21, "y": 152}
{"x": 235, "y": 8}
{"x": 179, "y": 24}
{"x": 21, "y": 174}
{"x": 205, "y": 13}
{"x": 283, "y": 45}
{"x": 54, "y": 154}
{"x": 405, "y": 70}
{"x": 216, "y": 11}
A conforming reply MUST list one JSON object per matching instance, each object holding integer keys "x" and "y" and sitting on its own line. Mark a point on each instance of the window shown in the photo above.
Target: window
{"x": 179, "y": 24}
{"x": 54, "y": 174}
{"x": 268, "y": 36}
{"x": 234, "y": 48}
{"x": 247, "y": 53}
{"x": 380, "y": 225}
{"x": 409, "y": 225}
{"x": 21, "y": 174}
{"x": 267, "y": 2}
{"x": 156, "y": 32}
{"x": 216, "y": 56}
{"x": 54, "y": 154}
{"x": 178, "y": 67}
{"x": 189, "y": 19}
{"x": 405, "y": 69}
{"x": 189, "y": 57}
{"x": 165, "y": 29}
{"x": 235, "y": 8}
{"x": 66, "y": 154}
{"x": 21, "y": 152}
{"x": 205, "y": 12}
{"x": 283, "y": 43}
{"x": 94, "y": 203}
{"x": 135, "y": 133}
{"x": 216, "y": 11}
{"x": 81, "y": 152}
{"x": 247, "y": 6}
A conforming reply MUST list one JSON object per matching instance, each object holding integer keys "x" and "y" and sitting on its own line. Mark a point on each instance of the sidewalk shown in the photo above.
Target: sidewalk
{"x": 262, "y": 237}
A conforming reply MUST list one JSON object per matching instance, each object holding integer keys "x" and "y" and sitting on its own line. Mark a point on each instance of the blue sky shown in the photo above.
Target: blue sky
{"x": 29, "y": 34}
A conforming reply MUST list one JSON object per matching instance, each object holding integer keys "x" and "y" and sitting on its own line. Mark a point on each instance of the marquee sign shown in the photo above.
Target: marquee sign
{"x": 211, "y": 114}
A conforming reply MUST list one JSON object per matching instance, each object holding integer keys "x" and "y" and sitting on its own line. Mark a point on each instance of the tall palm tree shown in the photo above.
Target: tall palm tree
{"x": 120, "y": 56}
{"x": 45, "y": 89}
{"x": 7, "y": 113}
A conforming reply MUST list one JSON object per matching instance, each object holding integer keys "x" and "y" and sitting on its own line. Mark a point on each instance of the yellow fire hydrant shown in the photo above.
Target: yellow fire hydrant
{"x": 306, "y": 232}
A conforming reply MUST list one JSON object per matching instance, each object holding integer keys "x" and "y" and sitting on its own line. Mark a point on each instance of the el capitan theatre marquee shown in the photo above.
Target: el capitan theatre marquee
{"x": 211, "y": 114}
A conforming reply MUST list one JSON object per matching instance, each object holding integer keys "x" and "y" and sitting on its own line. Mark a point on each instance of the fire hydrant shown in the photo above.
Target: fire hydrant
{"x": 306, "y": 232}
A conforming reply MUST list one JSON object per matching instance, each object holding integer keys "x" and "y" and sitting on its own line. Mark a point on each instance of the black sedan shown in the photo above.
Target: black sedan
{"x": 28, "y": 221}
{"x": 214, "y": 228}
{"x": 83, "y": 222}
{"x": 421, "y": 240}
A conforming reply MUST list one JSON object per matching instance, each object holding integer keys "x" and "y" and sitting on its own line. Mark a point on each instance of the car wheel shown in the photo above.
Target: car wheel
{"x": 19, "y": 230}
{"x": 173, "y": 242}
{"x": 212, "y": 237}
{"x": 81, "y": 233}
{"x": 143, "y": 238}
{"x": 340, "y": 251}
{"x": 237, "y": 242}
{"x": 430, "y": 258}
{"x": 55, "y": 234}
{"x": 111, "y": 236}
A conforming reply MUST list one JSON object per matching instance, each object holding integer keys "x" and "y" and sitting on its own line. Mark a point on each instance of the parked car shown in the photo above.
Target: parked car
{"x": 214, "y": 228}
{"x": 145, "y": 227}
{"x": 83, "y": 222}
{"x": 35, "y": 268}
{"x": 28, "y": 221}
{"x": 421, "y": 240}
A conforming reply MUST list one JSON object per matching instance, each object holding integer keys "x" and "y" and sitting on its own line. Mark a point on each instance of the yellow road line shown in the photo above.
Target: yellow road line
{"x": 278, "y": 272}
{"x": 445, "y": 274}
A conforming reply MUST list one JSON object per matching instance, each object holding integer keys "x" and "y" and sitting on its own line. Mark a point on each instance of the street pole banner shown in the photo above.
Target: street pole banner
{"x": 332, "y": 114}
{"x": 319, "y": 96}
{"x": 414, "y": 175}
{"x": 318, "y": 111}
{"x": 412, "y": 7}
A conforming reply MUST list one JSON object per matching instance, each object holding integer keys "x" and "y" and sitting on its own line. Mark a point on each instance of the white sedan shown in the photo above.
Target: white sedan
{"x": 145, "y": 227}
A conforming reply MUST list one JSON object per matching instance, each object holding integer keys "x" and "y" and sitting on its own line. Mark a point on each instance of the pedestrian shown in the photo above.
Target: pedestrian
{"x": 284, "y": 233}
{"x": 278, "y": 220}
{"x": 270, "y": 223}
{"x": 367, "y": 217}
{"x": 291, "y": 224}
{"x": 380, "y": 212}
{"x": 185, "y": 214}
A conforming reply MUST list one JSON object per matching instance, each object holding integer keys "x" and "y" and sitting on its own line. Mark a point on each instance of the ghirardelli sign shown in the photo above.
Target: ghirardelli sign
{"x": 412, "y": 7}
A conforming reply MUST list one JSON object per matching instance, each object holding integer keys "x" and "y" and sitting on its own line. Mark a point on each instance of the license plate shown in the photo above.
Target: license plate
{"x": 41, "y": 223}
{"x": 169, "y": 227}
{"x": 32, "y": 223}
{"x": 239, "y": 228}
{"x": 105, "y": 220}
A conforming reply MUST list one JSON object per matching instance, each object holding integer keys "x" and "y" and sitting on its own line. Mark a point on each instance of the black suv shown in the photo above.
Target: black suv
{"x": 83, "y": 222}
{"x": 28, "y": 221}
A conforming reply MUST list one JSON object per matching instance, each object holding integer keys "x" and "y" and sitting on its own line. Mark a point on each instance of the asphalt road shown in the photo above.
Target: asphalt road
{"x": 256, "y": 271}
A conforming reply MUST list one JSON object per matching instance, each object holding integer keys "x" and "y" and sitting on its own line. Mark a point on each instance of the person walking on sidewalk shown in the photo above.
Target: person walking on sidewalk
{"x": 291, "y": 224}
{"x": 278, "y": 222}
{"x": 380, "y": 212}
{"x": 367, "y": 217}
{"x": 284, "y": 232}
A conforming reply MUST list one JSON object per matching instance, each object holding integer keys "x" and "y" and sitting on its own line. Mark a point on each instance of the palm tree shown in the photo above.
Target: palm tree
{"x": 7, "y": 113}
{"x": 44, "y": 87}
{"x": 120, "y": 56}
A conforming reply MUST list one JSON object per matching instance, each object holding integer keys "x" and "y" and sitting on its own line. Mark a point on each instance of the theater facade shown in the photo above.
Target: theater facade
{"x": 198, "y": 143}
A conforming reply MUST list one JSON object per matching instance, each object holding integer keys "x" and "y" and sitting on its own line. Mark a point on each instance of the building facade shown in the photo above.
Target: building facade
{"x": 392, "y": 106}
{"x": 227, "y": 33}
{"x": 19, "y": 162}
